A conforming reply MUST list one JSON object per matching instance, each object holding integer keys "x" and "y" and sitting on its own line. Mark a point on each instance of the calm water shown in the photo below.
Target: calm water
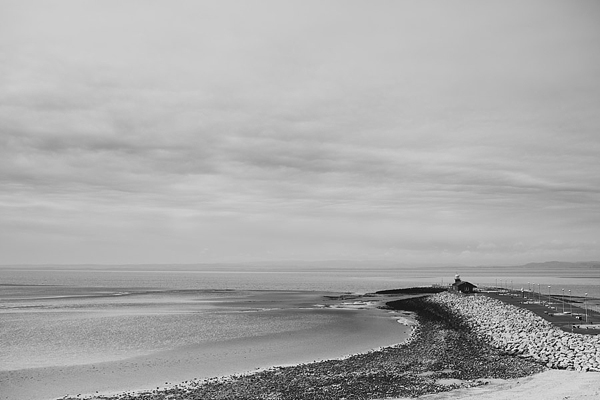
{"x": 339, "y": 277}
{"x": 81, "y": 329}
{"x": 86, "y": 314}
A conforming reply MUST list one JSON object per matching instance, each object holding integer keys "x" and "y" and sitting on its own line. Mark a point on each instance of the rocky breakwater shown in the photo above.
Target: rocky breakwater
{"x": 522, "y": 333}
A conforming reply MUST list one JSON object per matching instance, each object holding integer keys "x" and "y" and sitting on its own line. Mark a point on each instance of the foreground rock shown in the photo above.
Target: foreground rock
{"x": 520, "y": 332}
{"x": 442, "y": 354}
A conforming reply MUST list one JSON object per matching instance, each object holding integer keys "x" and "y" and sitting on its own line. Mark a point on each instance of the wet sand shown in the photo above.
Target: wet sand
{"x": 359, "y": 327}
{"x": 441, "y": 354}
{"x": 443, "y": 359}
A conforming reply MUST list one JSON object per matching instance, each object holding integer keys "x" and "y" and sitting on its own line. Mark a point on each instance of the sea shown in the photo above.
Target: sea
{"x": 68, "y": 315}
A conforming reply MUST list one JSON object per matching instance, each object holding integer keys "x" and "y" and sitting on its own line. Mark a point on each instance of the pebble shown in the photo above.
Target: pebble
{"x": 520, "y": 332}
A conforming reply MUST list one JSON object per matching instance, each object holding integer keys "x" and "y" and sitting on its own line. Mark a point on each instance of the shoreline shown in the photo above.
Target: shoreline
{"x": 357, "y": 320}
{"x": 445, "y": 356}
{"x": 442, "y": 354}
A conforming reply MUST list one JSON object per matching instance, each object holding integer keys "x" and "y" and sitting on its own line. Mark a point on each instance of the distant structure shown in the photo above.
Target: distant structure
{"x": 462, "y": 286}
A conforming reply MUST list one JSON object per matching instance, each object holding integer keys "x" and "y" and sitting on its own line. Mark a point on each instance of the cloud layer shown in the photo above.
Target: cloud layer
{"x": 157, "y": 132}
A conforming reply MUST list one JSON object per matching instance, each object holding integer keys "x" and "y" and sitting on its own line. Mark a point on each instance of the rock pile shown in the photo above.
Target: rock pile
{"x": 520, "y": 332}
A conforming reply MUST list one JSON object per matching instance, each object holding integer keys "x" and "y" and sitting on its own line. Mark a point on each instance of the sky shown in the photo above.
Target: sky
{"x": 229, "y": 131}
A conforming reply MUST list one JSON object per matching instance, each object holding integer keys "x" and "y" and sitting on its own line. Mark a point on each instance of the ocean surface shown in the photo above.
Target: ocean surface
{"x": 67, "y": 316}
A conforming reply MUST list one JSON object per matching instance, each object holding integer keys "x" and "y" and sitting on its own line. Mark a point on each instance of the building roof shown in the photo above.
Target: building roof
{"x": 461, "y": 283}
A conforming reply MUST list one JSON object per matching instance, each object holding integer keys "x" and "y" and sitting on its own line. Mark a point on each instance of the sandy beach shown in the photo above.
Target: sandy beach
{"x": 548, "y": 385}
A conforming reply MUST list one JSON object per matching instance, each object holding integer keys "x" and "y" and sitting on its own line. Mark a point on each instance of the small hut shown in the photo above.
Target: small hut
{"x": 462, "y": 286}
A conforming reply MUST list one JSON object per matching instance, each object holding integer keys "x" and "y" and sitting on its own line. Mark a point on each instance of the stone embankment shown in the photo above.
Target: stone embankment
{"x": 522, "y": 333}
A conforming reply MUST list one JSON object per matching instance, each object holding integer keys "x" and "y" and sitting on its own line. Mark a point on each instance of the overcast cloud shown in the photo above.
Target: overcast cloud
{"x": 188, "y": 131}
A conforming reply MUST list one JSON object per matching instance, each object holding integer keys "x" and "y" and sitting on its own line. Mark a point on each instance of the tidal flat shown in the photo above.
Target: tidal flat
{"x": 441, "y": 354}
{"x": 109, "y": 344}
{"x": 101, "y": 331}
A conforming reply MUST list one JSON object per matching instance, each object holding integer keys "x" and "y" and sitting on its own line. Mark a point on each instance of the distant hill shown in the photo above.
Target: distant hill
{"x": 563, "y": 264}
